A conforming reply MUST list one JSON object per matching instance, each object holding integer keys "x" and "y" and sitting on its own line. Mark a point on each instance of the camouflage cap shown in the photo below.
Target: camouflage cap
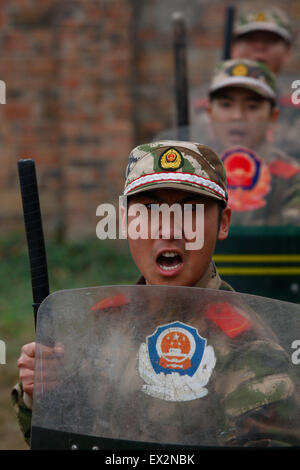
{"x": 179, "y": 165}
{"x": 267, "y": 19}
{"x": 244, "y": 73}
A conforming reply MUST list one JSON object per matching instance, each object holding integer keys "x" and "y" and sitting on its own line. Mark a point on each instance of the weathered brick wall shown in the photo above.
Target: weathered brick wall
{"x": 67, "y": 67}
{"x": 96, "y": 128}
{"x": 86, "y": 81}
{"x": 28, "y": 119}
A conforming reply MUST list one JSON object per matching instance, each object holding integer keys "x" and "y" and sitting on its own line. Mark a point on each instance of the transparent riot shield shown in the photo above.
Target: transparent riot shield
{"x": 262, "y": 253}
{"x": 157, "y": 367}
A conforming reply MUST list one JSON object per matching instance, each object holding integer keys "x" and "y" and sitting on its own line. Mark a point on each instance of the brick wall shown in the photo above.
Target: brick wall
{"x": 87, "y": 80}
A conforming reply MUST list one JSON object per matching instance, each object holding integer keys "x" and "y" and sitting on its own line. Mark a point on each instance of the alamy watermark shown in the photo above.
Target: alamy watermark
{"x": 2, "y": 92}
{"x": 296, "y": 354}
{"x": 2, "y": 352}
{"x": 152, "y": 221}
{"x": 296, "y": 94}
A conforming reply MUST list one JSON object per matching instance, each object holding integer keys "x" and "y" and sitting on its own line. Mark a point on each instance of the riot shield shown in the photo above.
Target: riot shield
{"x": 262, "y": 254}
{"x": 159, "y": 367}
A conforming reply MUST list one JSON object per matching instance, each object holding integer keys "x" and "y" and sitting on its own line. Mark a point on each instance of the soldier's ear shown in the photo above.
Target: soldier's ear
{"x": 275, "y": 114}
{"x": 208, "y": 108}
{"x": 287, "y": 54}
{"x": 224, "y": 223}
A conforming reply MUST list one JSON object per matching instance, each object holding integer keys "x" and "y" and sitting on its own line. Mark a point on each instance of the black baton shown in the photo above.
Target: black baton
{"x": 229, "y": 20}
{"x": 181, "y": 77}
{"x": 34, "y": 233}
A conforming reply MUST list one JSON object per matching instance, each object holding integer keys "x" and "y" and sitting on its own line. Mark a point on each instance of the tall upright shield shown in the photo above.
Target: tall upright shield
{"x": 156, "y": 367}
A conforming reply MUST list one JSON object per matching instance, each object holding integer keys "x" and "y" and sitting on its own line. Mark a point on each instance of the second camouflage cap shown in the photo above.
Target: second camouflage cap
{"x": 270, "y": 19}
{"x": 244, "y": 73}
{"x": 175, "y": 164}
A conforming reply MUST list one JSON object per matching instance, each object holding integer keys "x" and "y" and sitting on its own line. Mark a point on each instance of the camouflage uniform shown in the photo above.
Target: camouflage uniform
{"x": 288, "y": 132}
{"x": 254, "y": 389}
{"x": 188, "y": 166}
{"x": 275, "y": 20}
{"x": 251, "y": 395}
{"x": 244, "y": 73}
{"x": 282, "y": 199}
{"x": 23, "y": 408}
{"x": 282, "y": 206}
{"x": 270, "y": 19}
{"x": 22, "y": 403}
{"x": 250, "y": 392}
{"x": 250, "y": 388}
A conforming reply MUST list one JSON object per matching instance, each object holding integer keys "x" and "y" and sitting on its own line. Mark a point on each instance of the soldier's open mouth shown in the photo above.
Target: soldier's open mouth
{"x": 169, "y": 261}
{"x": 237, "y": 134}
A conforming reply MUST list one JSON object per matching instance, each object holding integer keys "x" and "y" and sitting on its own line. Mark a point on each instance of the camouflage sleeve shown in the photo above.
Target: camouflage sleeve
{"x": 285, "y": 172}
{"x": 23, "y": 408}
{"x": 258, "y": 398}
{"x": 225, "y": 286}
{"x": 291, "y": 209}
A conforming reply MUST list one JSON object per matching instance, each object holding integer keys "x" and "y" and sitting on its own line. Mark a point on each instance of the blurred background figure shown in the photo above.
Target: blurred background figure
{"x": 266, "y": 35}
{"x": 263, "y": 35}
{"x": 242, "y": 103}
{"x": 264, "y": 182}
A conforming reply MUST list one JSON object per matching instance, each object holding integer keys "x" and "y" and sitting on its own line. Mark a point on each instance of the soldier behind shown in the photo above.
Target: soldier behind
{"x": 189, "y": 173}
{"x": 266, "y": 36}
{"x": 260, "y": 35}
{"x": 264, "y": 182}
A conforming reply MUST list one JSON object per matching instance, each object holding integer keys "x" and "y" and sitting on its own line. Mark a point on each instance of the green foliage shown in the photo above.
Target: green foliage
{"x": 70, "y": 265}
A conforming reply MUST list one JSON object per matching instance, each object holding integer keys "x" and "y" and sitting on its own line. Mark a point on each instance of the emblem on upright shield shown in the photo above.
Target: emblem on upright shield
{"x": 176, "y": 363}
{"x": 249, "y": 179}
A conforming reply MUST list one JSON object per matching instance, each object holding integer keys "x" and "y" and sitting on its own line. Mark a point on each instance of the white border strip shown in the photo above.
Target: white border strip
{"x": 175, "y": 177}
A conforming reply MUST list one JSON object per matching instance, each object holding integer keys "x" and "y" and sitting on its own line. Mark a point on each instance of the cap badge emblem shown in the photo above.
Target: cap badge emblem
{"x": 171, "y": 159}
{"x": 240, "y": 70}
{"x": 260, "y": 17}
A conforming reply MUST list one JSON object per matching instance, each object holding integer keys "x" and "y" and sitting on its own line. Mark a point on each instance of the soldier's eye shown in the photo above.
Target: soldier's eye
{"x": 225, "y": 104}
{"x": 253, "y": 105}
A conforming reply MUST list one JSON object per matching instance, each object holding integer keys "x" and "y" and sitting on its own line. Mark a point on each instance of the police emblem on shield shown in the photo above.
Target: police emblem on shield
{"x": 248, "y": 178}
{"x": 176, "y": 363}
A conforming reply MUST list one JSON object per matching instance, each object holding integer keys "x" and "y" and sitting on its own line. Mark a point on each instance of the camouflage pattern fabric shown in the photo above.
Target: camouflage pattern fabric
{"x": 250, "y": 391}
{"x": 271, "y": 19}
{"x": 23, "y": 411}
{"x": 187, "y": 166}
{"x": 244, "y": 73}
{"x": 255, "y": 391}
{"x": 251, "y": 398}
{"x": 289, "y": 120}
